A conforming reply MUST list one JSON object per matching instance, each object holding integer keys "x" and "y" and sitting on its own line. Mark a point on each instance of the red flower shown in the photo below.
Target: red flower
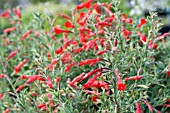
{"x": 127, "y": 20}
{"x": 2, "y": 75}
{"x": 1, "y": 95}
{"x": 89, "y": 61}
{"x": 57, "y": 80}
{"x": 142, "y": 22}
{"x": 33, "y": 78}
{"x": 152, "y": 45}
{"x": 75, "y": 81}
{"x": 68, "y": 24}
{"x": 133, "y": 78}
{"x": 59, "y": 50}
{"x": 66, "y": 58}
{"x": 54, "y": 61}
{"x": 19, "y": 66}
{"x": 92, "y": 92}
{"x": 57, "y": 30}
{"x": 68, "y": 67}
{"x": 26, "y": 34}
{"x": 94, "y": 98}
{"x": 109, "y": 12}
{"x": 6, "y": 14}
{"x": 168, "y": 73}
{"x": 50, "y": 84}
{"x": 99, "y": 84}
{"x": 33, "y": 94}
{"x": 65, "y": 16}
{"x": 121, "y": 87}
{"x": 142, "y": 38}
{"x": 149, "y": 106}
{"x": 126, "y": 33}
{"x": 138, "y": 108}
{"x": 20, "y": 87}
{"x": 91, "y": 73}
{"x": 12, "y": 54}
{"x": 9, "y": 29}
{"x": 85, "y": 5}
{"x": 97, "y": 8}
{"x": 17, "y": 12}
{"x": 90, "y": 81}
{"x": 7, "y": 110}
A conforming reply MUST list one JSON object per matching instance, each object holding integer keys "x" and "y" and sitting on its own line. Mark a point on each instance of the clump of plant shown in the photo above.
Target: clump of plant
{"x": 99, "y": 60}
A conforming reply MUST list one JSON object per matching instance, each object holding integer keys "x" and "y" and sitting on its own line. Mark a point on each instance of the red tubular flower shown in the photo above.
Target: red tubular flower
{"x": 69, "y": 24}
{"x": 26, "y": 34}
{"x": 7, "y": 30}
{"x": 17, "y": 12}
{"x": 162, "y": 36}
{"x": 87, "y": 4}
{"x": 138, "y": 108}
{"x": 168, "y": 73}
{"x": 142, "y": 38}
{"x": 99, "y": 84}
{"x": 152, "y": 45}
{"x": 57, "y": 30}
{"x": 82, "y": 22}
{"x": 133, "y": 78}
{"x": 78, "y": 78}
{"x": 57, "y": 80}
{"x": 149, "y": 106}
{"x": 33, "y": 78}
{"x": 59, "y": 50}
{"x": 71, "y": 84}
{"x": 92, "y": 92}
{"x": 97, "y": 8}
{"x": 25, "y": 77}
{"x": 54, "y": 61}
{"x": 49, "y": 56}
{"x": 50, "y": 84}
{"x": 21, "y": 87}
{"x": 81, "y": 16}
{"x": 7, "y": 110}
{"x": 33, "y": 94}
{"x": 89, "y": 45}
{"x": 1, "y": 95}
{"x": 19, "y": 66}
{"x": 121, "y": 86}
{"x": 89, "y": 61}
{"x": 65, "y": 16}
{"x": 78, "y": 50}
{"x": 109, "y": 12}
{"x": 6, "y": 14}
{"x": 90, "y": 81}
{"x": 68, "y": 67}
{"x": 66, "y": 58}
{"x": 101, "y": 52}
{"x": 41, "y": 105}
{"x": 91, "y": 73}
{"x": 126, "y": 33}
{"x": 94, "y": 98}
{"x": 12, "y": 54}
{"x": 103, "y": 24}
{"x": 119, "y": 81}
{"x": 2, "y": 75}
{"x": 142, "y": 22}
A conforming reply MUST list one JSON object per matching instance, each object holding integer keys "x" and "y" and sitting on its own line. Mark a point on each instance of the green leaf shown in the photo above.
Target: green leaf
{"x": 143, "y": 86}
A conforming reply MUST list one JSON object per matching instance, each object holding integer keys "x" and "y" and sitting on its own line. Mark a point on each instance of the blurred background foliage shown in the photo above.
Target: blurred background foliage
{"x": 135, "y": 8}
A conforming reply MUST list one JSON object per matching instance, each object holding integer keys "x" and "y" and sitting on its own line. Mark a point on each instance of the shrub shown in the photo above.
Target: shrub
{"x": 97, "y": 61}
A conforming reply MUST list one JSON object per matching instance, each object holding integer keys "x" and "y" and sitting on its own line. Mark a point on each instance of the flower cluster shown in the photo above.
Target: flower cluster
{"x": 98, "y": 60}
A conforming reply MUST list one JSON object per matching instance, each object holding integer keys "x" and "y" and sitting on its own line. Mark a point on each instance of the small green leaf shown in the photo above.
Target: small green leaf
{"x": 143, "y": 86}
